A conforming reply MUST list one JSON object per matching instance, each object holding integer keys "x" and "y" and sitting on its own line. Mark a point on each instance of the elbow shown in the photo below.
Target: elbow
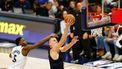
{"x": 63, "y": 49}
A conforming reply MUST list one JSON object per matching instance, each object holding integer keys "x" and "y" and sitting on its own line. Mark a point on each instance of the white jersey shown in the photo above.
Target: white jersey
{"x": 18, "y": 60}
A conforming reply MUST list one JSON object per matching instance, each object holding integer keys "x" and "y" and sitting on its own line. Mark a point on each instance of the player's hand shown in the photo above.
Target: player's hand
{"x": 71, "y": 35}
{"x": 75, "y": 39}
{"x": 53, "y": 35}
{"x": 69, "y": 23}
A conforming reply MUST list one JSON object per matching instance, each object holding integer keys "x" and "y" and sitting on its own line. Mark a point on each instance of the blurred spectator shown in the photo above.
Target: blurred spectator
{"x": 36, "y": 6}
{"x": 112, "y": 38}
{"x": 23, "y": 5}
{"x": 43, "y": 1}
{"x": 60, "y": 9}
{"x": 95, "y": 1}
{"x": 1, "y": 3}
{"x": 53, "y": 10}
{"x": 31, "y": 3}
{"x": 77, "y": 49}
{"x": 65, "y": 3}
{"x": 84, "y": 43}
{"x": 57, "y": 27}
{"x": 83, "y": 2}
{"x": 44, "y": 9}
{"x": 62, "y": 23}
{"x": 72, "y": 8}
{"x": 98, "y": 9}
{"x": 7, "y": 5}
{"x": 120, "y": 43}
{"x": 109, "y": 4}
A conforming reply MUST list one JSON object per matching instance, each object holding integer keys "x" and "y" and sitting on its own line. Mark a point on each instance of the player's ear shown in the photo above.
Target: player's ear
{"x": 49, "y": 42}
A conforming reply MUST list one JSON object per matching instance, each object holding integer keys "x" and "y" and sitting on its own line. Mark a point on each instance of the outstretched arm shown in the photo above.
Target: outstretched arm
{"x": 40, "y": 43}
{"x": 26, "y": 49}
{"x": 68, "y": 46}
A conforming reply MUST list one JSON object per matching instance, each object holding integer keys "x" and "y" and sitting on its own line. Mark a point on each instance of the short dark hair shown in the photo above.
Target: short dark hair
{"x": 18, "y": 40}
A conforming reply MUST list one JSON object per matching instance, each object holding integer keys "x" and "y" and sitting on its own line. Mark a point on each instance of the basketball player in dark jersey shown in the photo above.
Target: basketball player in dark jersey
{"x": 56, "y": 49}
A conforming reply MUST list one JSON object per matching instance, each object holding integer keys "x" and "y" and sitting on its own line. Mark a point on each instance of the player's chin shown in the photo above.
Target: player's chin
{"x": 25, "y": 44}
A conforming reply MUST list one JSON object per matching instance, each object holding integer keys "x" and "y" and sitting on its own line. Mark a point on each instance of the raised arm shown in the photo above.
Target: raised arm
{"x": 41, "y": 42}
{"x": 68, "y": 46}
{"x": 65, "y": 34}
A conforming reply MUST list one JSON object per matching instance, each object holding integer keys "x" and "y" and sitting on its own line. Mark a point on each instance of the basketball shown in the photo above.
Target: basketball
{"x": 69, "y": 18}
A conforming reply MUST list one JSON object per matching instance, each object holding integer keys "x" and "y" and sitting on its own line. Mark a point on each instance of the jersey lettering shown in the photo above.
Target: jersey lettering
{"x": 14, "y": 59}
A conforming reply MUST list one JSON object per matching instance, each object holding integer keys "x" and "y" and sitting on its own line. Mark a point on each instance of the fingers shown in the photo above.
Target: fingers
{"x": 69, "y": 19}
{"x": 69, "y": 22}
{"x": 75, "y": 39}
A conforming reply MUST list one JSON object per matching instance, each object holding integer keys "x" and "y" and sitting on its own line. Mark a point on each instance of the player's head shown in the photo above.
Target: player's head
{"x": 52, "y": 41}
{"x": 21, "y": 41}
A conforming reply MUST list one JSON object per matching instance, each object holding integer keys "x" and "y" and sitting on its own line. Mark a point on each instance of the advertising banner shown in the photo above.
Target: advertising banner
{"x": 32, "y": 30}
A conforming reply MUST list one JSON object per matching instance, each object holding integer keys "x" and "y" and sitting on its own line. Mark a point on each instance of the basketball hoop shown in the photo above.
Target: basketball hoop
{"x": 99, "y": 20}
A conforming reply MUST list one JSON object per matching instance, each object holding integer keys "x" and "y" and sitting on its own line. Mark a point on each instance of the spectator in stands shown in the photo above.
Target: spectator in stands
{"x": 57, "y": 27}
{"x": 119, "y": 46}
{"x": 72, "y": 7}
{"x": 23, "y": 5}
{"x": 48, "y": 6}
{"x": 97, "y": 33}
{"x": 53, "y": 10}
{"x": 36, "y": 6}
{"x": 31, "y": 2}
{"x": 119, "y": 30}
{"x": 44, "y": 9}
{"x": 112, "y": 37}
{"x": 65, "y": 3}
{"x": 7, "y": 5}
{"x": 83, "y": 42}
{"x": 76, "y": 49}
{"x": 60, "y": 8}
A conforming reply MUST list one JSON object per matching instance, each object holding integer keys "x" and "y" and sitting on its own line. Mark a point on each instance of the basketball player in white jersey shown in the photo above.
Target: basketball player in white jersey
{"x": 20, "y": 52}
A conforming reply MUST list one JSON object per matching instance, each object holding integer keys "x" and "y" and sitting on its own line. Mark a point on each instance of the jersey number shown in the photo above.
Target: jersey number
{"x": 14, "y": 60}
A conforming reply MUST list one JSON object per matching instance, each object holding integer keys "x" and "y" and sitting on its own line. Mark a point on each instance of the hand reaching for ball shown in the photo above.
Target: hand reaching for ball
{"x": 69, "y": 19}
